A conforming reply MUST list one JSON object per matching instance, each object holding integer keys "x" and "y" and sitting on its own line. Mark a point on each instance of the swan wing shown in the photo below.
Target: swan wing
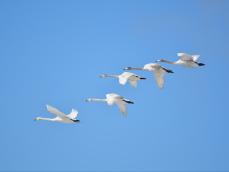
{"x": 133, "y": 83}
{"x": 159, "y": 77}
{"x": 122, "y": 106}
{"x": 110, "y": 98}
{"x": 127, "y": 74}
{"x": 184, "y": 56}
{"x": 55, "y": 111}
{"x": 195, "y": 58}
{"x": 122, "y": 80}
{"x": 73, "y": 114}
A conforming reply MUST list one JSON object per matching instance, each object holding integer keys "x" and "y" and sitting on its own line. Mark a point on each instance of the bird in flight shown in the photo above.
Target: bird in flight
{"x": 158, "y": 70}
{"x": 112, "y": 99}
{"x": 186, "y": 60}
{"x": 124, "y": 77}
{"x": 60, "y": 116}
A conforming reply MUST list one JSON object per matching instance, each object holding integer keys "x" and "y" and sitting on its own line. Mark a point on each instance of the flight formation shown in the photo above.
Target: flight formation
{"x": 186, "y": 60}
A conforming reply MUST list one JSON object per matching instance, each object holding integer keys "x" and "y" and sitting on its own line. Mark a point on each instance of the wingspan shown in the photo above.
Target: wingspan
{"x": 133, "y": 83}
{"x": 184, "y": 56}
{"x": 195, "y": 57}
{"x": 122, "y": 80}
{"x": 122, "y": 106}
{"x": 55, "y": 111}
{"x": 159, "y": 77}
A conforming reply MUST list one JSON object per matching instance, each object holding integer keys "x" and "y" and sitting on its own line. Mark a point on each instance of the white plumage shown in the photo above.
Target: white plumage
{"x": 158, "y": 70}
{"x": 60, "y": 116}
{"x": 112, "y": 99}
{"x": 125, "y": 77}
{"x": 186, "y": 60}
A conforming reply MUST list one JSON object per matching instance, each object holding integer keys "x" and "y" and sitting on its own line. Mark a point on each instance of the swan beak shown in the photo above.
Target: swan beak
{"x": 102, "y": 76}
{"x": 127, "y": 68}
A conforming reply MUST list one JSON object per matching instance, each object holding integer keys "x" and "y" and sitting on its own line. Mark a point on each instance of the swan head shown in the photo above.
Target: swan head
{"x": 160, "y": 60}
{"x": 37, "y": 119}
{"x": 103, "y": 76}
{"x": 88, "y": 100}
{"x": 127, "y": 68}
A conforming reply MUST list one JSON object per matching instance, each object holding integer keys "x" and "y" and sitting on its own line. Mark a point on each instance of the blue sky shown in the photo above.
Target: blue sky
{"x": 52, "y": 53}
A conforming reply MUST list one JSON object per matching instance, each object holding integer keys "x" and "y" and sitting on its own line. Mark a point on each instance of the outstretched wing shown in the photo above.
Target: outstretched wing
{"x": 133, "y": 80}
{"x": 195, "y": 58}
{"x": 159, "y": 77}
{"x": 133, "y": 83}
{"x": 122, "y": 106}
{"x": 55, "y": 111}
{"x": 185, "y": 57}
{"x": 73, "y": 114}
{"x": 122, "y": 80}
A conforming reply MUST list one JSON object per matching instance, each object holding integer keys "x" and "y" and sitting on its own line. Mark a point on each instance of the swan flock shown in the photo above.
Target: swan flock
{"x": 159, "y": 72}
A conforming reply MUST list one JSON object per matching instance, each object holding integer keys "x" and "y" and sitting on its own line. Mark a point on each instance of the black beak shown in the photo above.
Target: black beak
{"x": 127, "y": 68}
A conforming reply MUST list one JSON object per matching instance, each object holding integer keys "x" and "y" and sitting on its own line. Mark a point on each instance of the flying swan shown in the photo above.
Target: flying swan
{"x": 112, "y": 99}
{"x": 60, "y": 116}
{"x": 124, "y": 77}
{"x": 185, "y": 60}
{"x": 158, "y": 71}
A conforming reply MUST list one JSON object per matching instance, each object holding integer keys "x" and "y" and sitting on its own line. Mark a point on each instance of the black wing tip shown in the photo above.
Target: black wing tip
{"x": 169, "y": 71}
{"x": 75, "y": 120}
{"x": 127, "y": 68}
{"x": 201, "y": 64}
{"x": 129, "y": 102}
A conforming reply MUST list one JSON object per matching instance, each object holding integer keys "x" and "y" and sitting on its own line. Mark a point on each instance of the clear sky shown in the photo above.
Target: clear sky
{"x": 52, "y": 52}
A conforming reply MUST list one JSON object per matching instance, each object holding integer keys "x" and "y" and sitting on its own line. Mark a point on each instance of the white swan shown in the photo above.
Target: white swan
{"x": 185, "y": 60}
{"x": 60, "y": 116}
{"x": 113, "y": 98}
{"x": 158, "y": 71}
{"x": 124, "y": 77}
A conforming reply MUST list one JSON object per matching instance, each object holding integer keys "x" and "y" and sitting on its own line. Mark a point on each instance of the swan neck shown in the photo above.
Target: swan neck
{"x": 167, "y": 61}
{"x": 135, "y": 68}
{"x": 45, "y": 119}
{"x": 110, "y": 76}
{"x": 96, "y": 100}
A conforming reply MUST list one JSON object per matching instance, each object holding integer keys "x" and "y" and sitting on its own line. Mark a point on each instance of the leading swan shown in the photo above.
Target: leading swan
{"x": 186, "y": 60}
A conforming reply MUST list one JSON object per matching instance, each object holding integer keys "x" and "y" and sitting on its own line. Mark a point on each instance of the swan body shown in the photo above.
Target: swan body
{"x": 125, "y": 77}
{"x": 158, "y": 71}
{"x": 60, "y": 116}
{"x": 186, "y": 60}
{"x": 113, "y": 98}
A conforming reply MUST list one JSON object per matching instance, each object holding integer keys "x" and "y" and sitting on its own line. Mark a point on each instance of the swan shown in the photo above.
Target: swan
{"x": 124, "y": 77}
{"x": 186, "y": 60}
{"x": 158, "y": 71}
{"x": 113, "y": 98}
{"x": 60, "y": 116}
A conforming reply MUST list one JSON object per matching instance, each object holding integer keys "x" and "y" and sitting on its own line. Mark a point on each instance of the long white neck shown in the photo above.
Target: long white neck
{"x": 96, "y": 100}
{"x": 108, "y": 76}
{"x": 167, "y": 61}
{"x": 45, "y": 119}
{"x": 133, "y": 68}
